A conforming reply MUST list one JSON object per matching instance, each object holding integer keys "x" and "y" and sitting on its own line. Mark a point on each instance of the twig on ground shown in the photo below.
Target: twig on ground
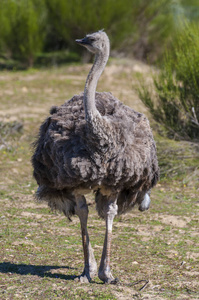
{"x": 143, "y": 287}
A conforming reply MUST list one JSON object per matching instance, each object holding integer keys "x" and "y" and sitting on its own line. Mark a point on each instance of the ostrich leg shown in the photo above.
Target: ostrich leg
{"x": 90, "y": 266}
{"x": 104, "y": 269}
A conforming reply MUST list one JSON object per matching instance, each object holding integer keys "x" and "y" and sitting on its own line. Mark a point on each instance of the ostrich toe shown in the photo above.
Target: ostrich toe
{"x": 107, "y": 277}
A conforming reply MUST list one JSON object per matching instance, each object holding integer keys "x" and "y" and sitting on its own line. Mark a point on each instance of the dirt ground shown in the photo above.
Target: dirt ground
{"x": 154, "y": 254}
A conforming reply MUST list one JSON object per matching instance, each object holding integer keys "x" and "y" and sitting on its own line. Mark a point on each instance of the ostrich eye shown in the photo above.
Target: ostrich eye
{"x": 92, "y": 39}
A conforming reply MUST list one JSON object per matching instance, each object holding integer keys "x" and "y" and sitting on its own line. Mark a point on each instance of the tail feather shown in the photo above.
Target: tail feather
{"x": 61, "y": 200}
{"x": 144, "y": 205}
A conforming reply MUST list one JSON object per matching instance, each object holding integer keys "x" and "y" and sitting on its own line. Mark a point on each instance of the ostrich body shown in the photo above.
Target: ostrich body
{"x": 95, "y": 143}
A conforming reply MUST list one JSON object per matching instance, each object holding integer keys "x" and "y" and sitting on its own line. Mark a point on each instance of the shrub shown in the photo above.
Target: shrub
{"x": 154, "y": 29}
{"x": 21, "y": 24}
{"x": 70, "y": 19}
{"x": 176, "y": 103}
{"x": 140, "y": 27}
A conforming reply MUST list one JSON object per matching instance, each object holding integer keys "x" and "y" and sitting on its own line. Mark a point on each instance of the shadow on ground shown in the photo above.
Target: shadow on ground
{"x": 41, "y": 271}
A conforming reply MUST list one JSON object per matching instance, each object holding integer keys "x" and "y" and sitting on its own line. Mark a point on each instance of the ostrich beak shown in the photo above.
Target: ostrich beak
{"x": 82, "y": 42}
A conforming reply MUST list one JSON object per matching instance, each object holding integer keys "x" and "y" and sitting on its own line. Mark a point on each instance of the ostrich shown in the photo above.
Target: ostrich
{"x": 95, "y": 143}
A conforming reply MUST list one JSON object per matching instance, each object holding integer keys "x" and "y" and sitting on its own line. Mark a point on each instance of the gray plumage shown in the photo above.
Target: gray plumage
{"x": 120, "y": 156}
{"x": 93, "y": 142}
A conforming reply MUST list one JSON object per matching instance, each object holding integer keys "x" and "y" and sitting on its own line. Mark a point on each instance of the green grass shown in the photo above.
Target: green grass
{"x": 41, "y": 251}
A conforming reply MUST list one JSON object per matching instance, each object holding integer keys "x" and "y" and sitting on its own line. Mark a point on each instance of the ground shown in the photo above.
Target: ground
{"x": 154, "y": 254}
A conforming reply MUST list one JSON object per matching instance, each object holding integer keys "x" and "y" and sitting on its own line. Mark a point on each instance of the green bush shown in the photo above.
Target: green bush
{"x": 72, "y": 19}
{"x": 176, "y": 103}
{"x": 140, "y": 27}
{"x": 27, "y": 27}
{"x": 21, "y": 28}
{"x": 155, "y": 26}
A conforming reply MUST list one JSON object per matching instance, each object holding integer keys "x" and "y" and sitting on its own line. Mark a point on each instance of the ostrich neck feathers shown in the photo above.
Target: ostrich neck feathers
{"x": 99, "y": 129}
{"x": 100, "y": 61}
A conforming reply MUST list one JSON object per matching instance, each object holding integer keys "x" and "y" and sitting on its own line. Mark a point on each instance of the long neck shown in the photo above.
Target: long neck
{"x": 91, "y": 84}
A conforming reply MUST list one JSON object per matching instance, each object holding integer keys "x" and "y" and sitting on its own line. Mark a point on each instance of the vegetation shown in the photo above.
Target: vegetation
{"x": 22, "y": 29}
{"x": 142, "y": 28}
{"x": 28, "y": 27}
{"x": 176, "y": 103}
{"x": 154, "y": 254}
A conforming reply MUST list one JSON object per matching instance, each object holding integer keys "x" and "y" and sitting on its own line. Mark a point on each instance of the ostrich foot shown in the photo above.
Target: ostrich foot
{"x": 107, "y": 277}
{"x": 88, "y": 274}
{"x": 84, "y": 278}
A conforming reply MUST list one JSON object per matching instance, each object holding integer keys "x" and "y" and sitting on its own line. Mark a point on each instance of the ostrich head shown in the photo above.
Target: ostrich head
{"x": 96, "y": 42}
